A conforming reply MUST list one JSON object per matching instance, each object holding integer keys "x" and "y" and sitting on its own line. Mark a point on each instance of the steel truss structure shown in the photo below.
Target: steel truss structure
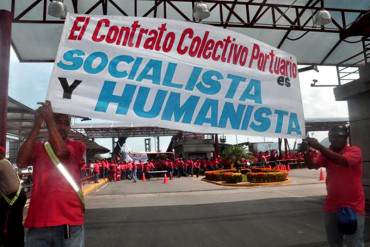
{"x": 260, "y": 15}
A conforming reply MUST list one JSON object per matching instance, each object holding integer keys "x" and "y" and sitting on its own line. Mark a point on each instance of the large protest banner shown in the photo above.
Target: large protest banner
{"x": 173, "y": 74}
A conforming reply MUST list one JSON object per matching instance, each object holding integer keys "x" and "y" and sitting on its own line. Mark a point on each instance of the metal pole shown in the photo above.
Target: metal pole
{"x": 217, "y": 147}
{"x": 279, "y": 143}
{"x": 158, "y": 145}
{"x": 5, "y": 41}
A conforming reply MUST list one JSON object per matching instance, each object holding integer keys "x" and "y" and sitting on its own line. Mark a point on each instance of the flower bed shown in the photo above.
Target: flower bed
{"x": 267, "y": 177}
{"x": 254, "y": 175}
{"x": 214, "y": 175}
{"x": 261, "y": 169}
{"x": 233, "y": 177}
{"x": 245, "y": 171}
{"x": 217, "y": 175}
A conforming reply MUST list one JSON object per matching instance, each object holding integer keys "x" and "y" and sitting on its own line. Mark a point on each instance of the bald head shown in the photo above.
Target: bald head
{"x": 340, "y": 130}
{"x": 338, "y": 137}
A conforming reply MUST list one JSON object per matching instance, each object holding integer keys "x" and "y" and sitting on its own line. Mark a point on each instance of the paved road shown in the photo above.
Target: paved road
{"x": 189, "y": 212}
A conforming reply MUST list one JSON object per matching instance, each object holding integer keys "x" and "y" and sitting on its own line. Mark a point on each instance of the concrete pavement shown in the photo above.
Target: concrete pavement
{"x": 190, "y": 212}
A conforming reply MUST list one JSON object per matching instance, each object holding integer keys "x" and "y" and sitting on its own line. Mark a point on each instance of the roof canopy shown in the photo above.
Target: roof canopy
{"x": 286, "y": 24}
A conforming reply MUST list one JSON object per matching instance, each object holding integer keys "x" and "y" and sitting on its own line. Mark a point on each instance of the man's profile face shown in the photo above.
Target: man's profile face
{"x": 63, "y": 123}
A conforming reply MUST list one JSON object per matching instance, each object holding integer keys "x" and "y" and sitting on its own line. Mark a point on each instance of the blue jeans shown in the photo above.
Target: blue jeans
{"x": 54, "y": 236}
{"x": 134, "y": 175}
{"x": 336, "y": 239}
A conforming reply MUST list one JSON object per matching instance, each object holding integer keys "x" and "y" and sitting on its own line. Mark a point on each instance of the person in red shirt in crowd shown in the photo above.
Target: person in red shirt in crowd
{"x": 96, "y": 171}
{"x": 344, "y": 168}
{"x": 134, "y": 172}
{"x": 113, "y": 171}
{"x": 129, "y": 170}
{"x": 56, "y": 213}
{"x": 265, "y": 157}
{"x": 274, "y": 155}
{"x": 104, "y": 168}
{"x": 197, "y": 167}
{"x": 118, "y": 172}
{"x": 149, "y": 167}
{"x": 141, "y": 168}
{"x": 122, "y": 168}
{"x": 110, "y": 170}
{"x": 179, "y": 167}
{"x": 83, "y": 165}
{"x": 175, "y": 168}
{"x": 190, "y": 164}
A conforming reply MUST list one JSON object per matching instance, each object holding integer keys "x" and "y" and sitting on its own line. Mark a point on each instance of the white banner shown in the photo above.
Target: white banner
{"x": 136, "y": 157}
{"x": 177, "y": 75}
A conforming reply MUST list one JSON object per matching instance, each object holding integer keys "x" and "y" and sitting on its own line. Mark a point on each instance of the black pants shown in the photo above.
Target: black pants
{"x": 11, "y": 226}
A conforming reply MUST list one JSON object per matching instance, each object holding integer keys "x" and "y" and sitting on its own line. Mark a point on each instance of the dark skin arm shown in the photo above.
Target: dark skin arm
{"x": 329, "y": 154}
{"x": 26, "y": 150}
{"x": 308, "y": 160}
{"x": 59, "y": 145}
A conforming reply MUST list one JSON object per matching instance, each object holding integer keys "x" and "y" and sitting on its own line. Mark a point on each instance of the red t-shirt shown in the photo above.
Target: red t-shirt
{"x": 344, "y": 184}
{"x": 96, "y": 168}
{"x": 53, "y": 201}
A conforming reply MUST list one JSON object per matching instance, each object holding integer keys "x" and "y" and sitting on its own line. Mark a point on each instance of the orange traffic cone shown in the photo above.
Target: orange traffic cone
{"x": 322, "y": 175}
{"x": 143, "y": 177}
{"x": 165, "y": 180}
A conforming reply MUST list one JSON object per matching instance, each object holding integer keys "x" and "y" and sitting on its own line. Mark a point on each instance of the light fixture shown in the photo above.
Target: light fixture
{"x": 322, "y": 18}
{"x": 200, "y": 11}
{"x": 57, "y": 9}
{"x": 314, "y": 81}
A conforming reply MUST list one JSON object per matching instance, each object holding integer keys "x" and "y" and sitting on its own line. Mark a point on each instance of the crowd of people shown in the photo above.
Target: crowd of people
{"x": 271, "y": 156}
{"x": 122, "y": 170}
{"x": 117, "y": 171}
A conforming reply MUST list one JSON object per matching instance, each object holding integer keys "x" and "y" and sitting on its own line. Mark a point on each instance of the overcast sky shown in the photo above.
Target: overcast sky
{"x": 28, "y": 83}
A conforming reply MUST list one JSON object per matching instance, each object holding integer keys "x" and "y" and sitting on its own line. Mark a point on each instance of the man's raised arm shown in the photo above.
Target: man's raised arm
{"x": 56, "y": 140}
{"x": 26, "y": 150}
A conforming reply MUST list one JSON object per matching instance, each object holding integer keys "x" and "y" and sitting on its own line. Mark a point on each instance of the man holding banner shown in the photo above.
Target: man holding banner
{"x": 345, "y": 202}
{"x": 56, "y": 213}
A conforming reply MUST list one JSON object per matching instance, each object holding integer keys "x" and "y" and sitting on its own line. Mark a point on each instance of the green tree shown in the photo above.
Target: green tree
{"x": 233, "y": 154}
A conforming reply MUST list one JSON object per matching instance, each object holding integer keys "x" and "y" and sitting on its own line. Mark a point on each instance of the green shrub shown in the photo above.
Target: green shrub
{"x": 267, "y": 177}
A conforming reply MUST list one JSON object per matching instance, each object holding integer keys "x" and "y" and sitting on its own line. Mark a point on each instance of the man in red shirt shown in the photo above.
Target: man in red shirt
{"x": 97, "y": 166}
{"x": 344, "y": 183}
{"x": 55, "y": 216}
